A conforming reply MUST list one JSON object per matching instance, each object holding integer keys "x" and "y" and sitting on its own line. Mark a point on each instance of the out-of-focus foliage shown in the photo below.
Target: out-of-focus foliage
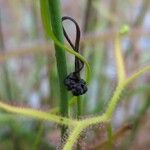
{"x": 28, "y": 74}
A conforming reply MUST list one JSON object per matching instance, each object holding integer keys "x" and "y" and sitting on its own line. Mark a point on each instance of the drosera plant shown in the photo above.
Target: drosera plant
{"x": 77, "y": 126}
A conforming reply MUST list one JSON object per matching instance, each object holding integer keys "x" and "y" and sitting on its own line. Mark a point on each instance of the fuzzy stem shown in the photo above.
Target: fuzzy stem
{"x": 55, "y": 16}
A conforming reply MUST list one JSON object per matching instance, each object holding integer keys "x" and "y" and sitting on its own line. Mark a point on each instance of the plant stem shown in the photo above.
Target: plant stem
{"x": 78, "y": 107}
{"x": 136, "y": 123}
{"x": 87, "y": 15}
{"x": 78, "y": 117}
{"x": 56, "y": 24}
{"x": 110, "y": 136}
{"x": 6, "y": 80}
{"x": 38, "y": 139}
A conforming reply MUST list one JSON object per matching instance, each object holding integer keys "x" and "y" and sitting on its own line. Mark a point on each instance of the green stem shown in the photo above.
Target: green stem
{"x": 78, "y": 107}
{"x": 39, "y": 136}
{"x": 55, "y": 16}
{"x": 78, "y": 117}
{"x": 110, "y": 136}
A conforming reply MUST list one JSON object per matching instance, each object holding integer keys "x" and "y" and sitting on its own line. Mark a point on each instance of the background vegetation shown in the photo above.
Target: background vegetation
{"x": 28, "y": 75}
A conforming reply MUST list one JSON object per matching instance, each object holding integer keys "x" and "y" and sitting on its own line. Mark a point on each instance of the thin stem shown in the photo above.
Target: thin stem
{"x": 6, "y": 79}
{"x": 142, "y": 13}
{"x": 136, "y": 123}
{"x": 78, "y": 117}
{"x": 7, "y": 86}
{"x": 56, "y": 24}
{"x": 78, "y": 107}
{"x": 138, "y": 22}
{"x": 39, "y": 136}
{"x": 110, "y": 136}
{"x": 87, "y": 16}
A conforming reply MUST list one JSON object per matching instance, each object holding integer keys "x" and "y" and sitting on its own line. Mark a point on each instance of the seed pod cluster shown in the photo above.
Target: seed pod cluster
{"x": 75, "y": 85}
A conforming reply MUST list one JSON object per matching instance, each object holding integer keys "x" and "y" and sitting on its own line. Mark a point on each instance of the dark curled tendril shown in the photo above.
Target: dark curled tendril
{"x": 73, "y": 81}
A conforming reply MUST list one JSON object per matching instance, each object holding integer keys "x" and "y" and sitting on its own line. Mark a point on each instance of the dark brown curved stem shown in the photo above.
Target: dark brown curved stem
{"x": 78, "y": 63}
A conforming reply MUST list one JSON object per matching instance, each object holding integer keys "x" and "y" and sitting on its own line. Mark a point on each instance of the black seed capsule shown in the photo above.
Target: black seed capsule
{"x": 77, "y": 86}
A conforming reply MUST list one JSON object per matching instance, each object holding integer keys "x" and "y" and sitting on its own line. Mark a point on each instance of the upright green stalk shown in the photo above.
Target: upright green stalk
{"x": 78, "y": 117}
{"x": 59, "y": 52}
{"x": 110, "y": 136}
{"x": 55, "y": 16}
{"x": 79, "y": 107}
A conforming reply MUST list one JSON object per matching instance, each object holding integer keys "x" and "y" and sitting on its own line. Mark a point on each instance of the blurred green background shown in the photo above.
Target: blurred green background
{"x": 28, "y": 74}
